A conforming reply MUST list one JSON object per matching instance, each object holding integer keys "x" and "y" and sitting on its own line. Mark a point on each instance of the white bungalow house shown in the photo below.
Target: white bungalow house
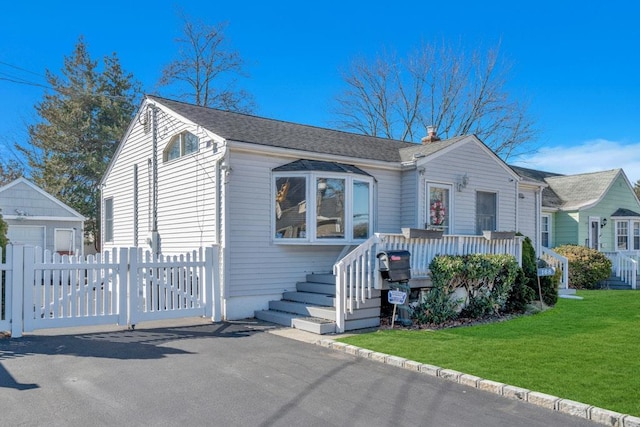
{"x": 299, "y": 212}
{"x": 37, "y": 218}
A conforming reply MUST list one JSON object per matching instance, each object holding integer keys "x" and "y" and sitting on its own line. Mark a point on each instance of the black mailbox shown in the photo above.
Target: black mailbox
{"x": 395, "y": 266}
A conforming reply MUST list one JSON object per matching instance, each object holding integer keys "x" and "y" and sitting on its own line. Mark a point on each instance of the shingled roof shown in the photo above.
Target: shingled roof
{"x": 275, "y": 133}
{"x": 583, "y": 189}
{"x": 550, "y": 198}
{"x": 570, "y": 192}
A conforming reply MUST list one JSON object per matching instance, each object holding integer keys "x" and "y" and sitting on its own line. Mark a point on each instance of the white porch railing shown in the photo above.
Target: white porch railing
{"x": 557, "y": 261}
{"x": 357, "y": 273}
{"x": 625, "y": 266}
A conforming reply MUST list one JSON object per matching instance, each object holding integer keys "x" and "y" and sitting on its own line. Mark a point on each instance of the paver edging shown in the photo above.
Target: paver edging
{"x": 566, "y": 406}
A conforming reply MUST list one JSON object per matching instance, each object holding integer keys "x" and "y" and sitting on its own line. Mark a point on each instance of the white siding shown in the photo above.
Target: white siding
{"x": 42, "y": 213}
{"x": 260, "y": 269}
{"x": 23, "y": 197}
{"x": 527, "y": 214}
{"x": 485, "y": 173}
{"x": 389, "y": 200}
{"x": 409, "y": 214}
{"x": 186, "y": 190}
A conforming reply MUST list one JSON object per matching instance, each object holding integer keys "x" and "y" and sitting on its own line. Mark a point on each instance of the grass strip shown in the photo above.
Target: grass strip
{"x": 585, "y": 350}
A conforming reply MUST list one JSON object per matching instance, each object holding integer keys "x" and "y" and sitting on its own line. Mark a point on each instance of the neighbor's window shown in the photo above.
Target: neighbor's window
{"x": 63, "y": 240}
{"x": 486, "y": 211}
{"x": 316, "y": 206}
{"x": 108, "y": 220}
{"x": 622, "y": 233}
{"x": 636, "y": 235}
{"x": 546, "y": 231}
{"x": 180, "y": 145}
{"x": 439, "y": 208}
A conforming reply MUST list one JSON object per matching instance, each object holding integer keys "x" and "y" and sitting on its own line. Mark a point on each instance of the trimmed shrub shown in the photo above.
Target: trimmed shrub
{"x": 486, "y": 279}
{"x": 587, "y": 267}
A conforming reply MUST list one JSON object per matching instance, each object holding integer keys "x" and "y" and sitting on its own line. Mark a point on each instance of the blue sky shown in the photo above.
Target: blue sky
{"x": 576, "y": 63}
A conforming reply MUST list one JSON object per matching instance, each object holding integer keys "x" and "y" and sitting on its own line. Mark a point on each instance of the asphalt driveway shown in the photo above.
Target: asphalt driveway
{"x": 230, "y": 374}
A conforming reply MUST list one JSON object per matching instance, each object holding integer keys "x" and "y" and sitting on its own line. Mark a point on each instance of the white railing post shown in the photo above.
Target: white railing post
{"x": 14, "y": 282}
{"x": 340, "y": 289}
{"x": 131, "y": 289}
{"x": 122, "y": 286}
{"x": 213, "y": 286}
{"x": 26, "y": 285}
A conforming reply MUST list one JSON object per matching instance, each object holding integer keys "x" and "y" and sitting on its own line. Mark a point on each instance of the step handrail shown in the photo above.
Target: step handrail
{"x": 557, "y": 261}
{"x": 356, "y": 276}
{"x": 625, "y": 266}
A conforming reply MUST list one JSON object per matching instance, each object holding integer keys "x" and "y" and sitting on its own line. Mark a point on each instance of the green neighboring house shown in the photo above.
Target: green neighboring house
{"x": 599, "y": 210}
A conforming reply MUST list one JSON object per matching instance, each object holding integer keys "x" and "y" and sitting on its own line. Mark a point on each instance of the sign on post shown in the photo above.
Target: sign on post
{"x": 548, "y": 271}
{"x": 397, "y": 297}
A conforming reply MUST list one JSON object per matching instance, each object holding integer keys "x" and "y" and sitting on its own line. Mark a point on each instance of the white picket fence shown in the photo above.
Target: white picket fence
{"x": 124, "y": 286}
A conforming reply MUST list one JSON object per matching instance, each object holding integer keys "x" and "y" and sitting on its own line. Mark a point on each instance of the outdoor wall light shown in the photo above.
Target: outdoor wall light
{"x": 603, "y": 223}
{"x": 462, "y": 182}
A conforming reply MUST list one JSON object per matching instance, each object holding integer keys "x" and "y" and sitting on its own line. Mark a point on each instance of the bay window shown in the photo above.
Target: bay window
{"x": 319, "y": 206}
{"x": 627, "y": 234}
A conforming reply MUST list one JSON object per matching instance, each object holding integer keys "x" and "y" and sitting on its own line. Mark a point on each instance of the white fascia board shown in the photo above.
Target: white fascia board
{"x": 298, "y": 154}
{"x": 42, "y": 218}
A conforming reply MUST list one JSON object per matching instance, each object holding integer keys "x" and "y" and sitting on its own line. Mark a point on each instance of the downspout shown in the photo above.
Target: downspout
{"x": 154, "y": 164}
{"x": 538, "y": 220}
{"x": 517, "y": 206}
{"x": 222, "y": 173}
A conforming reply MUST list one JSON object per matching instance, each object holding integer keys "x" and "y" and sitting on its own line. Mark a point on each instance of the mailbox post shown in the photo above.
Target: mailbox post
{"x": 395, "y": 267}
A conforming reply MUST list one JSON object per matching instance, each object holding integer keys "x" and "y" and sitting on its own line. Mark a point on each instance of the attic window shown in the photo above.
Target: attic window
{"x": 181, "y": 145}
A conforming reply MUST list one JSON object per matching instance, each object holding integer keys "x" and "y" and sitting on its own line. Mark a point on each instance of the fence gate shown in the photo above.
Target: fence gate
{"x": 6, "y": 272}
{"x": 124, "y": 286}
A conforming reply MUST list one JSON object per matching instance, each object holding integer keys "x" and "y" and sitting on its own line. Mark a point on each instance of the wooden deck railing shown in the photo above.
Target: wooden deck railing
{"x": 357, "y": 273}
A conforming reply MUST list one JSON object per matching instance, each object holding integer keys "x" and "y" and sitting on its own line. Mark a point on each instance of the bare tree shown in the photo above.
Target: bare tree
{"x": 440, "y": 86}
{"x": 205, "y": 69}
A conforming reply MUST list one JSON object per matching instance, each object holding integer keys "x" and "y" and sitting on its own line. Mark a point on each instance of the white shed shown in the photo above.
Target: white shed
{"x": 37, "y": 218}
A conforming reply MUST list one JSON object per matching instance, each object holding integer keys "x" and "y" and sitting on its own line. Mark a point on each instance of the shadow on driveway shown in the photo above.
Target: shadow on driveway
{"x": 138, "y": 344}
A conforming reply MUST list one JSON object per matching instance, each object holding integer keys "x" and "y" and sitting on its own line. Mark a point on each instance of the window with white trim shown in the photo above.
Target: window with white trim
{"x": 322, "y": 207}
{"x": 439, "y": 208}
{"x": 545, "y": 231}
{"x": 622, "y": 235}
{"x": 486, "y": 211}
{"x": 64, "y": 241}
{"x": 636, "y": 235}
{"x": 180, "y": 145}
{"x": 108, "y": 220}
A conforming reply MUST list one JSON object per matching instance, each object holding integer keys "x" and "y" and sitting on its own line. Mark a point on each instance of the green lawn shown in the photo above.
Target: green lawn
{"x": 585, "y": 350}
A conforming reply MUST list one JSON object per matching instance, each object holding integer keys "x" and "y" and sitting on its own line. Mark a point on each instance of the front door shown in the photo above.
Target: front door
{"x": 594, "y": 233}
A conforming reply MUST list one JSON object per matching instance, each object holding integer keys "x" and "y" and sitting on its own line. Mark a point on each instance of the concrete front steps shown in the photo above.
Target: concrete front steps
{"x": 312, "y": 308}
{"x": 614, "y": 282}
